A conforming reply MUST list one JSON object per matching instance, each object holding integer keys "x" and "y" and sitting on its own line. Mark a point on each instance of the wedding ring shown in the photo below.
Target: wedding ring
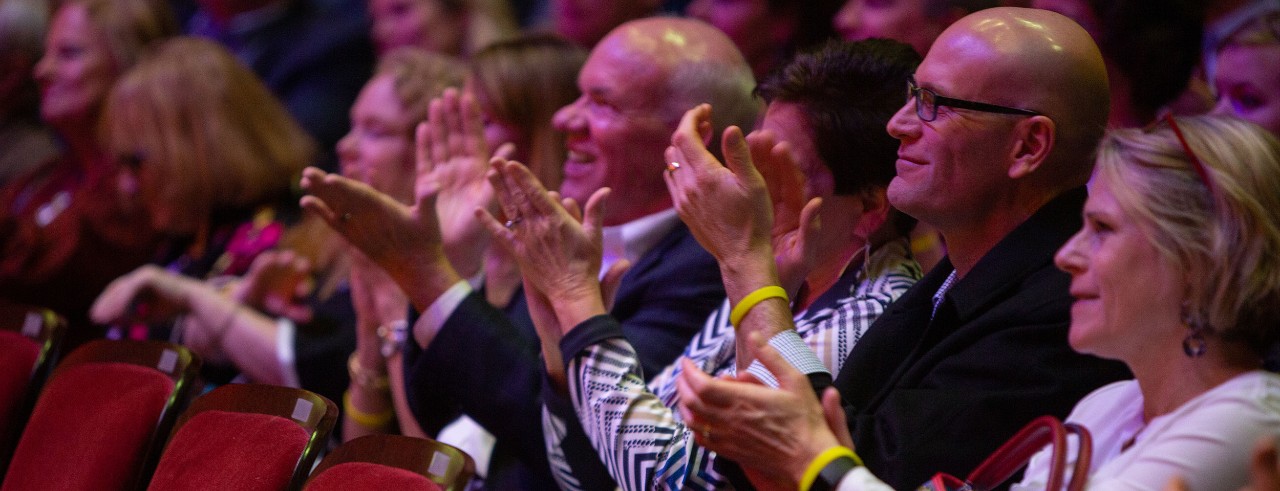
{"x": 512, "y": 222}
{"x": 673, "y": 166}
{"x": 706, "y": 433}
{"x": 346, "y": 217}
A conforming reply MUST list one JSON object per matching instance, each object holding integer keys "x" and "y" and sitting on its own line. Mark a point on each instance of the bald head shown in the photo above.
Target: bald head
{"x": 1039, "y": 60}
{"x": 698, "y": 64}
{"x": 636, "y": 84}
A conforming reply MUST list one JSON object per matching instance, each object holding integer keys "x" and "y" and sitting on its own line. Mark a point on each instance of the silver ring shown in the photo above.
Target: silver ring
{"x": 513, "y": 222}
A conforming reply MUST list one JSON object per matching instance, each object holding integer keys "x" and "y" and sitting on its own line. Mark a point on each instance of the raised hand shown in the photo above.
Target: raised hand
{"x": 277, "y": 283}
{"x": 559, "y": 256}
{"x": 795, "y": 220}
{"x": 726, "y": 208}
{"x": 403, "y": 240}
{"x": 452, "y": 158}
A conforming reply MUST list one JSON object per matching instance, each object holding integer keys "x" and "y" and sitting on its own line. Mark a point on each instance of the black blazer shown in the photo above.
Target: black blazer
{"x": 487, "y": 366}
{"x": 924, "y": 395}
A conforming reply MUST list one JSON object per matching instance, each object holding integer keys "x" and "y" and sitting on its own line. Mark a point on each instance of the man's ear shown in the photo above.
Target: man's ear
{"x": 875, "y": 212}
{"x": 1036, "y": 136}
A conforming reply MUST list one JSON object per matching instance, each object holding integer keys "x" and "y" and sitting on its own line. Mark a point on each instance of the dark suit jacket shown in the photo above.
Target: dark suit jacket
{"x": 490, "y": 368}
{"x": 924, "y": 395}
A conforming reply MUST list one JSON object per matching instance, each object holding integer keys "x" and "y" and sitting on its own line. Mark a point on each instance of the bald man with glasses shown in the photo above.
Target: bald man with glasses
{"x": 996, "y": 141}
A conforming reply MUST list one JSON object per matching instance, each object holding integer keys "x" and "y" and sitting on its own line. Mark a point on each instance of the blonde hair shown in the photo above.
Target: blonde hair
{"x": 524, "y": 81}
{"x": 1224, "y": 233}
{"x": 212, "y": 132}
{"x": 418, "y": 76}
{"x": 131, "y": 27}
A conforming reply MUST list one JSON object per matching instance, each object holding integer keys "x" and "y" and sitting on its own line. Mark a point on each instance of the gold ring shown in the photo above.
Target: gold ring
{"x": 673, "y": 166}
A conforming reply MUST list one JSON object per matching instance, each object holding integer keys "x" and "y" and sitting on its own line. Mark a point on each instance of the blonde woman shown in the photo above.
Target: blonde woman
{"x": 65, "y": 231}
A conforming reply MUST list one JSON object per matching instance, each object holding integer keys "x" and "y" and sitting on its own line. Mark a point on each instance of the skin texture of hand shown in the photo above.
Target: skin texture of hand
{"x": 147, "y": 294}
{"x": 453, "y": 157}
{"x": 403, "y": 240}
{"x": 772, "y": 433}
{"x": 559, "y": 256}
{"x": 795, "y": 221}
{"x": 727, "y": 208}
{"x": 277, "y": 283}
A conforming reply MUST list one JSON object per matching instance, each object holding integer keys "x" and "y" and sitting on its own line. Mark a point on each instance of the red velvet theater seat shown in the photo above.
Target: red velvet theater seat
{"x": 98, "y": 418}
{"x": 393, "y": 462}
{"x": 29, "y": 339}
{"x": 246, "y": 437}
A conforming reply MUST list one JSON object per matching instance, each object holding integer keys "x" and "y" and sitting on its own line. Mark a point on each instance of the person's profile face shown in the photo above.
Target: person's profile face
{"x": 1120, "y": 283}
{"x": 77, "y": 70}
{"x": 378, "y": 150}
{"x": 901, "y": 20}
{"x": 788, "y": 122}
{"x": 950, "y": 169}
{"x": 617, "y": 130}
{"x": 1248, "y": 84}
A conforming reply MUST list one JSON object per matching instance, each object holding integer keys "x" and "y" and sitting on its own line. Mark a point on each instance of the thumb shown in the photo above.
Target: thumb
{"x": 833, "y": 412}
{"x": 737, "y": 154}
{"x": 593, "y": 214}
{"x": 612, "y": 281}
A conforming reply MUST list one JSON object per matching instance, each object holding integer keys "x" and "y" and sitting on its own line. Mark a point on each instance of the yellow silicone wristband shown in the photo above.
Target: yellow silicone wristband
{"x": 821, "y": 461}
{"x": 752, "y": 299}
{"x": 367, "y": 420}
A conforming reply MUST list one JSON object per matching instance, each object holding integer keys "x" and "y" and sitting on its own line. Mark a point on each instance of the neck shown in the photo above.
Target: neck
{"x": 1170, "y": 379}
{"x": 969, "y": 240}
{"x": 831, "y": 264}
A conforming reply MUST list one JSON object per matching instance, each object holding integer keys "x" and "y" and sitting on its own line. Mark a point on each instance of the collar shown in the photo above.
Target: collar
{"x": 633, "y": 239}
{"x": 1028, "y": 248}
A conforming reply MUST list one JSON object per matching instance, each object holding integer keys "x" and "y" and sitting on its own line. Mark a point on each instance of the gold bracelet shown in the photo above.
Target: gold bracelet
{"x": 821, "y": 461}
{"x": 368, "y": 420}
{"x": 363, "y": 378}
{"x": 752, "y": 299}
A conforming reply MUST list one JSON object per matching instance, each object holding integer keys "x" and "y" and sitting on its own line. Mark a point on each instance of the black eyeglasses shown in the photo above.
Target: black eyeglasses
{"x": 928, "y": 102}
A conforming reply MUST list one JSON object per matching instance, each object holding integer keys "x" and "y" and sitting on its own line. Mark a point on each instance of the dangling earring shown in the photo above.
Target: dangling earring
{"x": 1194, "y": 345}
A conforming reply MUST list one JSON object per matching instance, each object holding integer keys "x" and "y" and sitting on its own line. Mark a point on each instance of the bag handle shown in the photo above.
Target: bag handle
{"x": 1084, "y": 456}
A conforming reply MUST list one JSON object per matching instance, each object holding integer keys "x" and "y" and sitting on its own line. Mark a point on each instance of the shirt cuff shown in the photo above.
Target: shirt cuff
{"x": 286, "y": 332}
{"x": 433, "y": 319}
{"x": 794, "y": 351}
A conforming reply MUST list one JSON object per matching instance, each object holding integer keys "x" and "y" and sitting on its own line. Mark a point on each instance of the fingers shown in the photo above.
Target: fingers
{"x": 318, "y": 206}
{"x": 457, "y": 136}
{"x": 422, "y": 147}
{"x": 438, "y": 136}
{"x": 688, "y": 137}
{"x": 506, "y": 151}
{"x": 737, "y": 154}
{"x": 810, "y": 225}
{"x": 504, "y": 237}
{"x": 593, "y": 215}
{"x": 612, "y": 280}
{"x": 473, "y": 126}
{"x": 833, "y": 412}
